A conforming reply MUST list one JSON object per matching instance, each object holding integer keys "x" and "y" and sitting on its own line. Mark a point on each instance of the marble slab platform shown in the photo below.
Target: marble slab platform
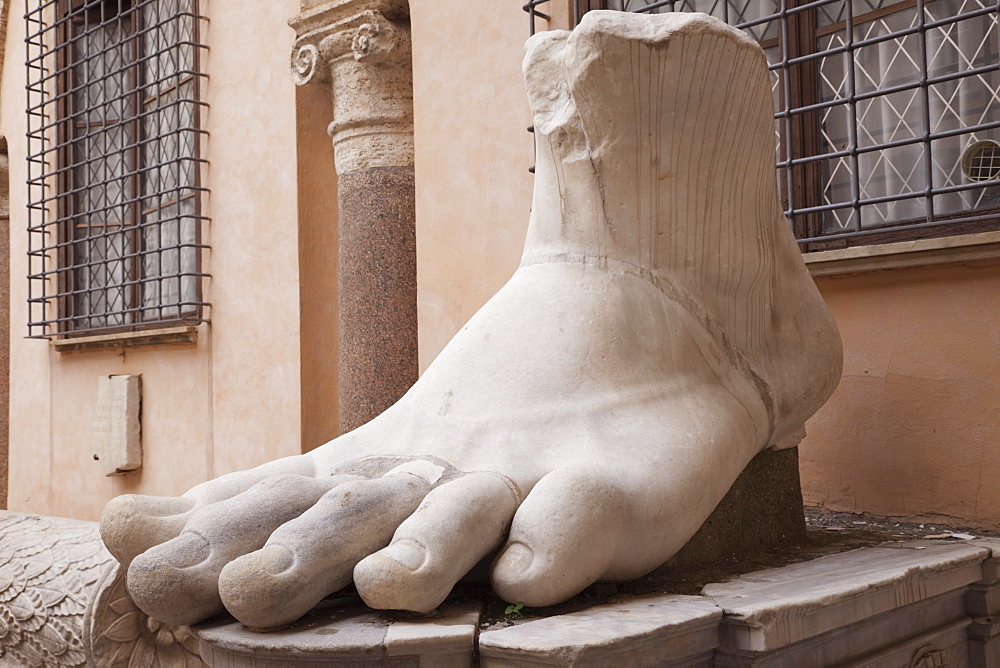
{"x": 921, "y": 603}
{"x": 777, "y": 607}
{"x": 344, "y": 633}
{"x": 649, "y": 630}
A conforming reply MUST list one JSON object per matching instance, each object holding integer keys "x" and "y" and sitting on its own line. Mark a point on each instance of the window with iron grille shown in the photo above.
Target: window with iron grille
{"x": 114, "y": 188}
{"x": 888, "y": 111}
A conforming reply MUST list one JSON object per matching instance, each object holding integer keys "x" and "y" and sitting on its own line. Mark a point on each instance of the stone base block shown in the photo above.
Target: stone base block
{"x": 779, "y": 607}
{"x": 898, "y": 605}
{"x": 936, "y": 628}
{"x": 762, "y": 511}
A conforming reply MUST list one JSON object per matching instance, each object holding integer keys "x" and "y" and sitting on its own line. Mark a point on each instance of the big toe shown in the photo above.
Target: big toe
{"x": 565, "y": 536}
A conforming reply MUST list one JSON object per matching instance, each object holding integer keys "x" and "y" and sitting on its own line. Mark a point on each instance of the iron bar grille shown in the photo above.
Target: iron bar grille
{"x": 887, "y": 112}
{"x": 114, "y": 167}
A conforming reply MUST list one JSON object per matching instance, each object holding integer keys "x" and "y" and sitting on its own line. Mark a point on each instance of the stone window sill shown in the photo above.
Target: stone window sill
{"x": 983, "y": 247}
{"x": 147, "y": 337}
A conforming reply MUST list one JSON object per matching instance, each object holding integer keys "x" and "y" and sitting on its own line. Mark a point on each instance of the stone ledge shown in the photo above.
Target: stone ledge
{"x": 980, "y": 247}
{"x": 781, "y": 606}
{"x": 344, "y": 632}
{"x": 890, "y": 605}
{"x": 145, "y": 337}
{"x": 650, "y": 630}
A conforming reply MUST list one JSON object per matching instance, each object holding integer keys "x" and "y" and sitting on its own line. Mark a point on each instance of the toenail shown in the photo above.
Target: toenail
{"x": 275, "y": 559}
{"x": 187, "y": 550}
{"x": 420, "y": 468}
{"x": 406, "y": 552}
{"x": 517, "y": 557}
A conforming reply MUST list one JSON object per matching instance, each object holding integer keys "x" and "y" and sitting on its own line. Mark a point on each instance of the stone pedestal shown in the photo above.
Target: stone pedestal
{"x": 983, "y": 602}
{"x": 360, "y": 51}
{"x": 342, "y": 631}
{"x": 922, "y": 604}
{"x": 762, "y": 511}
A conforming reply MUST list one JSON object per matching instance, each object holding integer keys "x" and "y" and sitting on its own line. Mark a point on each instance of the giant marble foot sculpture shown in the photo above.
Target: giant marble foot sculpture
{"x": 660, "y": 332}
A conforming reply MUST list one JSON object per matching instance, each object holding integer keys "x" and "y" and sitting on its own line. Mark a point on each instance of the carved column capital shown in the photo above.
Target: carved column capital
{"x": 360, "y": 50}
{"x": 64, "y": 602}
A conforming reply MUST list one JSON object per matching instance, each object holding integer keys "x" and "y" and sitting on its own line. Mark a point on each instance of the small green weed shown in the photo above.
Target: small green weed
{"x": 514, "y": 610}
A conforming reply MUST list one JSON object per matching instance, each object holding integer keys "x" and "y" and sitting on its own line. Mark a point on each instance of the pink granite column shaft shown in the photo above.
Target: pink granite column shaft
{"x": 360, "y": 50}
{"x": 378, "y": 291}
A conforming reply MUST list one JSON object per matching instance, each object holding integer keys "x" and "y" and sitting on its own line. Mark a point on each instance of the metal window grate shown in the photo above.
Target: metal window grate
{"x": 981, "y": 161}
{"x": 879, "y": 103}
{"x": 114, "y": 187}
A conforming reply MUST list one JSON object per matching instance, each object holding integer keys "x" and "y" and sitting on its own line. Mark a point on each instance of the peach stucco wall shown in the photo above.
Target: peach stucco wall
{"x": 233, "y": 399}
{"x": 472, "y": 159}
{"x": 914, "y": 429}
{"x": 317, "y": 188}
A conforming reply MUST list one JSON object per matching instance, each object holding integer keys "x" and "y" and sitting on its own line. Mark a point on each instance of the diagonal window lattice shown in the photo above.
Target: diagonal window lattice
{"x": 114, "y": 184}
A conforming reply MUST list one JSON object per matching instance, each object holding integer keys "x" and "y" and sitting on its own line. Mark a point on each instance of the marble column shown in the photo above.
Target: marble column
{"x": 360, "y": 51}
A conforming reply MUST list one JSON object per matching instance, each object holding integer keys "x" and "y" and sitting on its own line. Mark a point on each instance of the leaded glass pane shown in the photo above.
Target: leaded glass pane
{"x": 169, "y": 107}
{"x": 113, "y": 91}
{"x": 736, "y": 12}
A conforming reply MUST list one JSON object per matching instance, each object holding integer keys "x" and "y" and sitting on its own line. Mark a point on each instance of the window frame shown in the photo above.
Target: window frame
{"x": 61, "y": 185}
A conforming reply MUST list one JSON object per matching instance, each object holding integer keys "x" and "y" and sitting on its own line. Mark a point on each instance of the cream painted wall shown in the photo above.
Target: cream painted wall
{"x": 254, "y": 258}
{"x": 31, "y": 456}
{"x": 914, "y": 429}
{"x": 317, "y": 187}
{"x": 472, "y": 159}
{"x": 232, "y": 400}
